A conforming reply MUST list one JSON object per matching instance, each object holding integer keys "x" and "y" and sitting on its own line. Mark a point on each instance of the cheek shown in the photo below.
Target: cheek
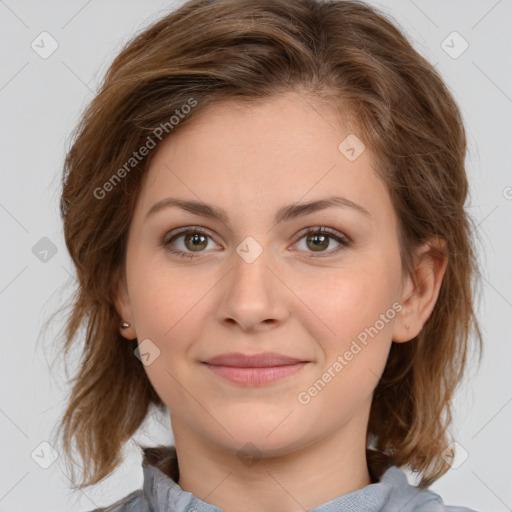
{"x": 353, "y": 324}
{"x": 347, "y": 300}
{"x": 169, "y": 312}
{"x": 165, "y": 295}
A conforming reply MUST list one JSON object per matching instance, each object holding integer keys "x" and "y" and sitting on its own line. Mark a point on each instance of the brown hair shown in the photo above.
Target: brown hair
{"x": 341, "y": 52}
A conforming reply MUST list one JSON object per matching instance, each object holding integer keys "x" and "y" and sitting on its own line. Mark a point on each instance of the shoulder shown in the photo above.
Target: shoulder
{"x": 133, "y": 502}
{"x": 436, "y": 504}
{"x": 409, "y": 498}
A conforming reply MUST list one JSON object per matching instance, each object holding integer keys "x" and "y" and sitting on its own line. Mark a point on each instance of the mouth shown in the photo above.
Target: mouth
{"x": 254, "y": 370}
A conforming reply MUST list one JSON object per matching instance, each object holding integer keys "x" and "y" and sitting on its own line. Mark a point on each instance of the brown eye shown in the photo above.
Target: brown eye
{"x": 187, "y": 242}
{"x": 318, "y": 242}
{"x": 195, "y": 242}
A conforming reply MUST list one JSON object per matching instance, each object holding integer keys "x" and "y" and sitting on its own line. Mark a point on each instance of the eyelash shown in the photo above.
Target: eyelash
{"x": 344, "y": 241}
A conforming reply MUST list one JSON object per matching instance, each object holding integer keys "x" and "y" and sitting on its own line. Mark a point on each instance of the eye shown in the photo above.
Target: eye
{"x": 318, "y": 239}
{"x": 195, "y": 239}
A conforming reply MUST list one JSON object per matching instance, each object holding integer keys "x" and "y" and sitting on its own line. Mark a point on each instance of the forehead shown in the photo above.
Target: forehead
{"x": 277, "y": 151}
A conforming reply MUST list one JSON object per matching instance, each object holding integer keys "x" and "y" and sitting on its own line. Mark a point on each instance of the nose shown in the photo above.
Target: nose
{"x": 253, "y": 297}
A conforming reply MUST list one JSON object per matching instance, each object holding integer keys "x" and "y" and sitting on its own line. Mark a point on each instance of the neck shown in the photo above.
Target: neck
{"x": 304, "y": 478}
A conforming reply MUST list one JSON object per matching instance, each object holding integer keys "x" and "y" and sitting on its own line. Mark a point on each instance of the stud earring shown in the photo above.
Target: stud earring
{"x": 125, "y": 325}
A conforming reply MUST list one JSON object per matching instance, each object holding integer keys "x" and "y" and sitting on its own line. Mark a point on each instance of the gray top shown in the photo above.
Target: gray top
{"x": 391, "y": 492}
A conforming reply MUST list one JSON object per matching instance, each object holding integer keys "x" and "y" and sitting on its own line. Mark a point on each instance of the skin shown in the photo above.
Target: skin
{"x": 252, "y": 160}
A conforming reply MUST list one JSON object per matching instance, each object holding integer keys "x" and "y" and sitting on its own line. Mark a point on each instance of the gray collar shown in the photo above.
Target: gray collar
{"x": 390, "y": 488}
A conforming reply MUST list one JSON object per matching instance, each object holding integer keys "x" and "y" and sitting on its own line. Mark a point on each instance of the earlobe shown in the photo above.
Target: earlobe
{"x": 123, "y": 306}
{"x": 421, "y": 290}
{"x": 402, "y": 329}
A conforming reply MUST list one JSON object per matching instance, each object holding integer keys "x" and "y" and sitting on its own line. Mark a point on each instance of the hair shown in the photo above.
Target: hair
{"x": 344, "y": 54}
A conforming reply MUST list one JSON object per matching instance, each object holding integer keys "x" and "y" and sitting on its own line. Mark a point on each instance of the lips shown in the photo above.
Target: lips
{"x": 254, "y": 370}
{"x": 265, "y": 359}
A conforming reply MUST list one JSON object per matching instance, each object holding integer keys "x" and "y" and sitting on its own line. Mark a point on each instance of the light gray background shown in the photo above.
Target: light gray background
{"x": 40, "y": 101}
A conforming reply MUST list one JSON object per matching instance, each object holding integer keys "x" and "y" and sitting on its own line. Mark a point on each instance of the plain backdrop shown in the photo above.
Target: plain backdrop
{"x": 41, "y": 100}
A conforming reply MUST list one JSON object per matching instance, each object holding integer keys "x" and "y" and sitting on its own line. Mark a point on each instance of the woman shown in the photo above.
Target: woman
{"x": 265, "y": 207}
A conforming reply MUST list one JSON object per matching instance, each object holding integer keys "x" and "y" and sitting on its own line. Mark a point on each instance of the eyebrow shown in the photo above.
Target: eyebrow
{"x": 285, "y": 213}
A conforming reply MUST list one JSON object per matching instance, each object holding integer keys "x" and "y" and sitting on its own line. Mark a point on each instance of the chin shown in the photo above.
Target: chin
{"x": 270, "y": 437}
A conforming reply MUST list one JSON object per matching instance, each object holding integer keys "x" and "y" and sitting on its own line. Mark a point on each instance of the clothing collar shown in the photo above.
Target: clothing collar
{"x": 161, "y": 474}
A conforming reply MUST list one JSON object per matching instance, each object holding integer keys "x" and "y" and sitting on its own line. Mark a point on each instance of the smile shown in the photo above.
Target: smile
{"x": 255, "y": 376}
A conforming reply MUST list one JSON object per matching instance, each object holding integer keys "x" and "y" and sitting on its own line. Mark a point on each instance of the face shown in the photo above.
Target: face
{"x": 251, "y": 283}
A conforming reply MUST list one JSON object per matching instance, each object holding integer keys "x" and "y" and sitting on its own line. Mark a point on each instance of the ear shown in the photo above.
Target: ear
{"x": 122, "y": 304}
{"x": 421, "y": 289}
